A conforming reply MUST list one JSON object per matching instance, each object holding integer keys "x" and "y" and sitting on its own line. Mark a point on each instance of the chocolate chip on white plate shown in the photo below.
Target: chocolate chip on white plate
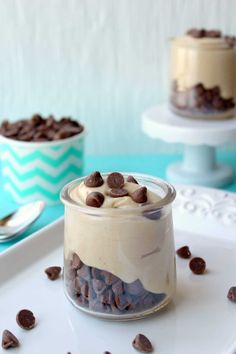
{"x": 53, "y": 272}
{"x": 142, "y": 344}
{"x": 25, "y": 319}
{"x": 9, "y": 340}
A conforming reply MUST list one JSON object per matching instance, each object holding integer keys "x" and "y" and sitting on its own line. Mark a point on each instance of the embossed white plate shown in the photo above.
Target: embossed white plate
{"x": 201, "y": 320}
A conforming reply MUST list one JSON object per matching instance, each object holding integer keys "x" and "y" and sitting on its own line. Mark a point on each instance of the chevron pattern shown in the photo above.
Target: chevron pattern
{"x": 34, "y": 173}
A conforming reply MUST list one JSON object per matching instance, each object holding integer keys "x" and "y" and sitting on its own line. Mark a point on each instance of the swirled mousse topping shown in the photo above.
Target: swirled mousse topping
{"x": 113, "y": 191}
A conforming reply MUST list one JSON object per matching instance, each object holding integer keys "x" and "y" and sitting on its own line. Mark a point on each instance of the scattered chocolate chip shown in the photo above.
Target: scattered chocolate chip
{"x": 197, "y": 265}
{"x": 9, "y": 340}
{"x": 53, "y": 272}
{"x": 106, "y": 352}
{"x": 142, "y": 344}
{"x": 140, "y": 195}
{"x": 95, "y": 199}
{"x": 184, "y": 252}
{"x": 232, "y": 294}
{"x": 25, "y": 319}
{"x": 118, "y": 192}
{"x": 115, "y": 180}
{"x": 131, "y": 179}
{"x": 94, "y": 180}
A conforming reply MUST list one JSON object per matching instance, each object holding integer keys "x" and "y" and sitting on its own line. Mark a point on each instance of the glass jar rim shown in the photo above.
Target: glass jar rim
{"x": 170, "y": 194}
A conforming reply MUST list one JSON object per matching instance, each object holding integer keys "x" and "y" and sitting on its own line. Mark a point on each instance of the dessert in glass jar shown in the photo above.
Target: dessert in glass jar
{"x": 203, "y": 75}
{"x": 119, "y": 254}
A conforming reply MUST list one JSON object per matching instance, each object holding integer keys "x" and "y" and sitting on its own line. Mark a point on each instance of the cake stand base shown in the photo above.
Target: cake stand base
{"x": 200, "y": 139}
{"x": 199, "y": 167}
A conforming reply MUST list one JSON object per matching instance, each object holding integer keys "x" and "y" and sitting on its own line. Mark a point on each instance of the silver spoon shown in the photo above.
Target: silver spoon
{"x": 15, "y": 223}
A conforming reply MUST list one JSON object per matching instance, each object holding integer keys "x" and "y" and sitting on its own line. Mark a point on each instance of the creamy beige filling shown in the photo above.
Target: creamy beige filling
{"x": 207, "y": 60}
{"x": 130, "y": 247}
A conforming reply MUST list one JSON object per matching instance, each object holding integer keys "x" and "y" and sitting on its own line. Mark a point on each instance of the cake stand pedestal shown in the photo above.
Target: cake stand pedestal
{"x": 200, "y": 138}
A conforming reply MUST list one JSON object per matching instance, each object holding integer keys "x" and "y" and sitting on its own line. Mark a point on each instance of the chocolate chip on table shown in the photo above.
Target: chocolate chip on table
{"x": 9, "y": 340}
{"x": 142, "y": 344}
{"x": 184, "y": 252}
{"x": 131, "y": 179}
{"x": 94, "y": 180}
{"x": 53, "y": 272}
{"x": 197, "y": 265}
{"x": 25, "y": 319}
{"x": 95, "y": 199}
{"x": 118, "y": 192}
{"x": 115, "y": 180}
{"x": 232, "y": 294}
{"x": 140, "y": 195}
{"x": 106, "y": 352}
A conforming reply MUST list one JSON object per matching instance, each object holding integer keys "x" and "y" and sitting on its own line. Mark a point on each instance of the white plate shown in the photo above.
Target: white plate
{"x": 201, "y": 320}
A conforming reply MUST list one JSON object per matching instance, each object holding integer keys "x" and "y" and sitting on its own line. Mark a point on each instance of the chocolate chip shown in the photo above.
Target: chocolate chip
{"x": 106, "y": 352}
{"x": 118, "y": 192}
{"x": 152, "y": 214}
{"x": 197, "y": 265}
{"x": 123, "y": 301}
{"x": 232, "y": 294}
{"x": 142, "y": 344}
{"x": 84, "y": 272}
{"x": 134, "y": 288}
{"x": 213, "y": 34}
{"x": 118, "y": 287}
{"x": 53, "y": 272}
{"x": 9, "y": 340}
{"x": 140, "y": 195}
{"x": 94, "y": 180}
{"x": 109, "y": 278}
{"x": 131, "y": 179}
{"x": 115, "y": 180}
{"x": 76, "y": 262}
{"x": 99, "y": 286}
{"x": 230, "y": 40}
{"x": 184, "y": 252}
{"x": 95, "y": 199}
{"x": 25, "y": 319}
{"x": 40, "y": 129}
{"x": 196, "y": 33}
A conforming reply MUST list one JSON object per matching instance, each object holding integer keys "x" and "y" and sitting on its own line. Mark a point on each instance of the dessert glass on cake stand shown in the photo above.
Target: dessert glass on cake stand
{"x": 200, "y": 138}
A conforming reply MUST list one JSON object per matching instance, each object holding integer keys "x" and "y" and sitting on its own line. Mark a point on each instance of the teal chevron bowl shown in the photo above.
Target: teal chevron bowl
{"x": 39, "y": 170}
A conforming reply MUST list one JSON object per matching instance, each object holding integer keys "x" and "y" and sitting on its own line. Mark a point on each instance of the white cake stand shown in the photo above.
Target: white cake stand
{"x": 200, "y": 139}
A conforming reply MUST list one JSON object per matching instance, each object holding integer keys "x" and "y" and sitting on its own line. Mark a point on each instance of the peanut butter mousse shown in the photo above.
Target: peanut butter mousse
{"x": 203, "y": 74}
{"x": 127, "y": 260}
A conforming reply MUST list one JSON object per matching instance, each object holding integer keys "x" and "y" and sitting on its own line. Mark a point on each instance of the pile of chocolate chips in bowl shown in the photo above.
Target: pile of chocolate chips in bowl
{"x": 39, "y": 129}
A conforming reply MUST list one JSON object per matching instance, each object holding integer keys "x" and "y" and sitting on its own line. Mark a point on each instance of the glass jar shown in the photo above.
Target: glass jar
{"x": 120, "y": 263}
{"x": 203, "y": 77}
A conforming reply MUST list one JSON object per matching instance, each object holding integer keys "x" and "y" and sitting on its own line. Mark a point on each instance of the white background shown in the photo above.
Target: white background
{"x": 102, "y": 61}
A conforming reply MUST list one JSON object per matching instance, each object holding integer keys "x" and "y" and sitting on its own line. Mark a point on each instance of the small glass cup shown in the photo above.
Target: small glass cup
{"x": 203, "y": 77}
{"x": 120, "y": 263}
